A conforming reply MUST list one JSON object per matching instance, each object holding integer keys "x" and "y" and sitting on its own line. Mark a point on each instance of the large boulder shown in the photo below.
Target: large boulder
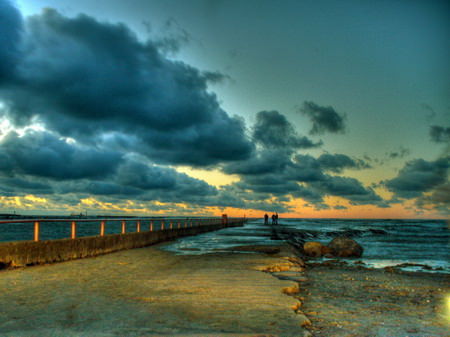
{"x": 345, "y": 247}
{"x": 313, "y": 249}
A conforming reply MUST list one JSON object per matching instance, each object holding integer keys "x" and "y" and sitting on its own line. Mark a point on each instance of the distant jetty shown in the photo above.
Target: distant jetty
{"x": 9, "y": 215}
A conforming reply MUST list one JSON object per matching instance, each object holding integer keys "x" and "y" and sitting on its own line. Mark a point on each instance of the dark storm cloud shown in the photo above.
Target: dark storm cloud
{"x": 150, "y": 183}
{"x": 86, "y": 79}
{"x": 338, "y": 162}
{"x": 277, "y": 139}
{"x": 12, "y": 186}
{"x": 440, "y": 134}
{"x": 419, "y": 176}
{"x": 441, "y": 195}
{"x": 438, "y": 198}
{"x": 234, "y": 196}
{"x": 143, "y": 176}
{"x": 303, "y": 176}
{"x": 273, "y": 130}
{"x": 144, "y": 181}
{"x": 309, "y": 194}
{"x": 269, "y": 183}
{"x": 324, "y": 119}
{"x": 85, "y": 188}
{"x": 40, "y": 163}
{"x": 42, "y": 154}
{"x": 305, "y": 168}
{"x": 11, "y": 26}
{"x": 348, "y": 188}
{"x": 264, "y": 161}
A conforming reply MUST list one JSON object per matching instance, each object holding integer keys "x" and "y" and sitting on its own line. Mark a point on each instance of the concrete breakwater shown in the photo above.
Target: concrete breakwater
{"x": 24, "y": 253}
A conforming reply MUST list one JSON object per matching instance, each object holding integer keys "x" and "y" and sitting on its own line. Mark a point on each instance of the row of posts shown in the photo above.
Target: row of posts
{"x": 73, "y": 227}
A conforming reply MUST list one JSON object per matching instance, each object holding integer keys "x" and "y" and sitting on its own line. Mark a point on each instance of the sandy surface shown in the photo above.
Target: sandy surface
{"x": 344, "y": 301}
{"x": 149, "y": 292}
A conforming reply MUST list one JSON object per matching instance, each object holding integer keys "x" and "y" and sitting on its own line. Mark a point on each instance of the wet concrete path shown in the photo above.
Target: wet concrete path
{"x": 147, "y": 292}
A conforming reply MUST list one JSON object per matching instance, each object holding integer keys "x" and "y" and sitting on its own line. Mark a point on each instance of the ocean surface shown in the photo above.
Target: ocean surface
{"x": 424, "y": 243}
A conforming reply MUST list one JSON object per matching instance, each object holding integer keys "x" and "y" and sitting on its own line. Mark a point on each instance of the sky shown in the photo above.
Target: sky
{"x": 334, "y": 109}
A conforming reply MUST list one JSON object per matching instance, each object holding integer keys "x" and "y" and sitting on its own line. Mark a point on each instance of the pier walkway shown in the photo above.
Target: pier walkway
{"x": 147, "y": 231}
{"x": 147, "y": 292}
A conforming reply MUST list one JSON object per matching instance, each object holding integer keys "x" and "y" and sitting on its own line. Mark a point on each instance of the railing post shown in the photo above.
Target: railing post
{"x": 162, "y": 225}
{"x": 124, "y": 226}
{"x": 171, "y": 225}
{"x": 102, "y": 228}
{"x": 151, "y": 226}
{"x": 36, "y": 231}
{"x": 138, "y": 226}
{"x": 73, "y": 231}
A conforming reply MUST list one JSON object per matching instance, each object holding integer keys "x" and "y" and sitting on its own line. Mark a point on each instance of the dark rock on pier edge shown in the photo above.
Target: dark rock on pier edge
{"x": 340, "y": 246}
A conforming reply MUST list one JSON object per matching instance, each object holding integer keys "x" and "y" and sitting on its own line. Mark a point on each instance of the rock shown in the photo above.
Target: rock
{"x": 345, "y": 247}
{"x": 285, "y": 266}
{"x": 326, "y": 251}
{"x": 291, "y": 290}
{"x": 304, "y": 321}
{"x": 296, "y": 307}
{"x": 295, "y": 260}
{"x": 313, "y": 248}
{"x": 297, "y": 269}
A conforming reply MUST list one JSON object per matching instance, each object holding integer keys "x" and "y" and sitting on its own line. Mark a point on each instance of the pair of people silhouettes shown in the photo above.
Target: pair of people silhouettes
{"x": 274, "y": 219}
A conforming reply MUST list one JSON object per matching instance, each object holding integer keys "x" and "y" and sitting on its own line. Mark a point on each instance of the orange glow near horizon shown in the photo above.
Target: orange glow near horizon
{"x": 396, "y": 211}
{"x": 31, "y": 204}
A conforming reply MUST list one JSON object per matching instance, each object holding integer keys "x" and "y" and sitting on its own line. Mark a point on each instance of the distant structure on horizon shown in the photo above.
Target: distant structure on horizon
{"x": 9, "y": 215}
{"x": 79, "y": 214}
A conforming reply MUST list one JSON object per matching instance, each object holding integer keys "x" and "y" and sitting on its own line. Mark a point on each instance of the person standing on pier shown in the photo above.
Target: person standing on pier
{"x": 273, "y": 219}
{"x": 266, "y": 219}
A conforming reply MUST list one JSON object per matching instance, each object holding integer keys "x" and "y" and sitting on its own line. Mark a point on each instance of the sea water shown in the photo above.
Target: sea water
{"x": 386, "y": 242}
{"x": 424, "y": 244}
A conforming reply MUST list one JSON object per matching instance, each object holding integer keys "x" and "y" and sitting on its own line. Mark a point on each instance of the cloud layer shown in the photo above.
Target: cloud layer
{"x": 323, "y": 118}
{"x": 419, "y": 176}
{"x": 11, "y": 24}
{"x": 98, "y": 83}
{"x": 116, "y": 117}
{"x": 440, "y": 134}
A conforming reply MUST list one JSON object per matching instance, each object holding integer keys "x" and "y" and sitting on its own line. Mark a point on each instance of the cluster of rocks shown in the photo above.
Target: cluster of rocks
{"x": 338, "y": 247}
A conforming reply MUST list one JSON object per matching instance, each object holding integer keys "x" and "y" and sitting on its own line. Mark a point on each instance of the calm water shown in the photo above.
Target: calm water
{"x": 58, "y": 230}
{"x": 385, "y": 242}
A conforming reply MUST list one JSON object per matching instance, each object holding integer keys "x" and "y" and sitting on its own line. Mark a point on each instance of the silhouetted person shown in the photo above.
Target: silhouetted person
{"x": 266, "y": 219}
{"x": 274, "y": 220}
